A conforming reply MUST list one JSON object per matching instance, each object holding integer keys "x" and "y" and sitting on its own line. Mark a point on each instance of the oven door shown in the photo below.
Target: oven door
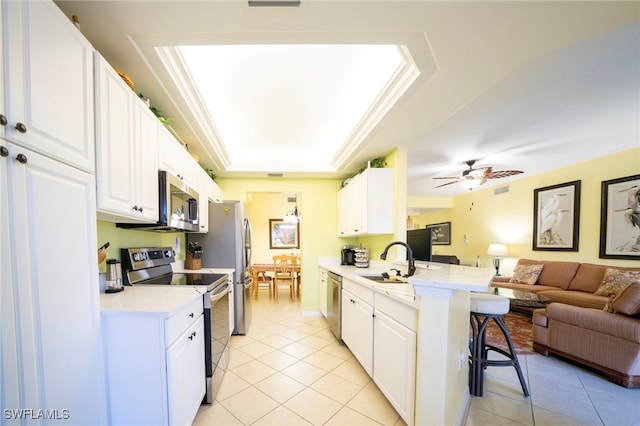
{"x": 217, "y": 332}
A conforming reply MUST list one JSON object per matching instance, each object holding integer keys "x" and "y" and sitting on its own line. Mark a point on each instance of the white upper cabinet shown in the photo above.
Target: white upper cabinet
{"x": 48, "y": 66}
{"x": 127, "y": 151}
{"x": 365, "y": 205}
{"x": 176, "y": 160}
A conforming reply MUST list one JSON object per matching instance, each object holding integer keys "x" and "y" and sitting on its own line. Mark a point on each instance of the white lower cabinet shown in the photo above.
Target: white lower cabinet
{"x": 324, "y": 295}
{"x": 185, "y": 384}
{"x": 155, "y": 366}
{"x": 394, "y": 362}
{"x": 381, "y": 333}
{"x": 357, "y": 322}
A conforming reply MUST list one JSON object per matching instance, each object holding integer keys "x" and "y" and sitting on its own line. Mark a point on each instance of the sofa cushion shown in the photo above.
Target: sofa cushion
{"x": 588, "y": 278}
{"x": 614, "y": 281}
{"x": 621, "y": 326}
{"x": 526, "y": 274}
{"x": 628, "y": 301}
{"x": 555, "y": 273}
{"x": 576, "y": 298}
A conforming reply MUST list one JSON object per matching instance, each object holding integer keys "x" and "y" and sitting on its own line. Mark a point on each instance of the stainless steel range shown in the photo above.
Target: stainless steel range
{"x": 152, "y": 266}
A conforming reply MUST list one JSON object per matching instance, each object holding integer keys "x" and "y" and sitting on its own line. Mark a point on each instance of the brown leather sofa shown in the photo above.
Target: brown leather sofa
{"x": 572, "y": 283}
{"x": 608, "y": 342}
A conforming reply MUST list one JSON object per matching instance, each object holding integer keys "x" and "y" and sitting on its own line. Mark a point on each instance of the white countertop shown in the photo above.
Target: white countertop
{"x": 428, "y": 275}
{"x": 156, "y": 300}
{"x": 161, "y": 301}
{"x": 400, "y": 291}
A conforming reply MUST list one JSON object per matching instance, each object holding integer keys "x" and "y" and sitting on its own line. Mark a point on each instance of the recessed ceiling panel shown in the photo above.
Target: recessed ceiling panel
{"x": 288, "y": 107}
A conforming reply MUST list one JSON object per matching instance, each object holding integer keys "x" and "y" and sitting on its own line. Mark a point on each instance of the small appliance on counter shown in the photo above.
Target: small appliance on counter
{"x": 348, "y": 256}
{"x": 114, "y": 276}
{"x": 362, "y": 257}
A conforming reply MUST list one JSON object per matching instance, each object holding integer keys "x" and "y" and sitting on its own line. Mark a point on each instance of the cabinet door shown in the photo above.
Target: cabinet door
{"x": 394, "y": 363}
{"x": 357, "y": 329}
{"x": 52, "y": 218}
{"x": 9, "y": 373}
{"x": 114, "y": 141}
{"x": 146, "y": 160}
{"x": 324, "y": 295}
{"x": 186, "y": 374}
{"x": 50, "y": 71}
{"x": 175, "y": 159}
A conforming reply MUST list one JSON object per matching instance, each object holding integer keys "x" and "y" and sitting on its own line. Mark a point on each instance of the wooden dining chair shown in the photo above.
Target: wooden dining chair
{"x": 284, "y": 274}
{"x": 261, "y": 281}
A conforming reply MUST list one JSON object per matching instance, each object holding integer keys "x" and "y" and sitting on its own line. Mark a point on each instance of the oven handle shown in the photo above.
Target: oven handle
{"x": 222, "y": 291}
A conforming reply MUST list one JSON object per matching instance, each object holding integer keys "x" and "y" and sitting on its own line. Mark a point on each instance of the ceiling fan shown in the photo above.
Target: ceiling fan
{"x": 472, "y": 178}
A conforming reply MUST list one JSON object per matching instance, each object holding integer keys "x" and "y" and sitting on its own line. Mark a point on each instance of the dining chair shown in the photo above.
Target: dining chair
{"x": 284, "y": 273}
{"x": 261, "y": 281}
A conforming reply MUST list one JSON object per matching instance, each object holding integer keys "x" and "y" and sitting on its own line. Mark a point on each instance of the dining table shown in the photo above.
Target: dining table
{"x": 269, "y": 267}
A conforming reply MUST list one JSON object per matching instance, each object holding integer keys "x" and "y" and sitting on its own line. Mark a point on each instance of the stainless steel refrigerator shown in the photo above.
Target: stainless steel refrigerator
{"x": 228, "y": 245}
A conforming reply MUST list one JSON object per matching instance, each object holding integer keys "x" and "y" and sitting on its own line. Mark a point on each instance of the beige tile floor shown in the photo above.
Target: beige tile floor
{"x": 290, "y": 370}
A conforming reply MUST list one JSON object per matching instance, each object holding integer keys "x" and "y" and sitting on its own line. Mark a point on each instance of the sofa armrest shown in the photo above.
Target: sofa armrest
{"x": 621, "y": 326}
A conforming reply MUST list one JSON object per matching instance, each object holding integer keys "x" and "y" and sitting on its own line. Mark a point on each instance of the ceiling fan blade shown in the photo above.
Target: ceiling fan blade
{"x": 503, "y": 173}
{"x": 448, "y": 183}
{"x": 446, "y": 177}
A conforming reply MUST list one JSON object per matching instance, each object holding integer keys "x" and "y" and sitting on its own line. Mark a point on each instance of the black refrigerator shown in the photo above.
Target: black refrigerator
{"x": 228, "y": 245}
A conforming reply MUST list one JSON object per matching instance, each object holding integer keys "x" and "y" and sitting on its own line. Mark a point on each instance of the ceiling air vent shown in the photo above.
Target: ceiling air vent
{"x": 274, "y": 3}
{"x": 501, "y": 190}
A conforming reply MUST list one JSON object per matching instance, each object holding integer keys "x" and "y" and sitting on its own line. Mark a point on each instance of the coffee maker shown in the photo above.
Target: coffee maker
{"x": 348, "y": 256}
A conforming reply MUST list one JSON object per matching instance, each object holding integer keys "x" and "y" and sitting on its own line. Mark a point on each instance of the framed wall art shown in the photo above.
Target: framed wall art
{"x": 620, "y": 218}
{"x": 284, "y": 235}
{"x": 441, "y": 233}
{"x": 556, "y": 217}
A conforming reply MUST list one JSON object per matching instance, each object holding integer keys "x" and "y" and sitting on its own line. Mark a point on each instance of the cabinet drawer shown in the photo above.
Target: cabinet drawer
{"x": 364, "y": 293}
{"x": 179, "y": 322}
{"x": 400, "y": 312}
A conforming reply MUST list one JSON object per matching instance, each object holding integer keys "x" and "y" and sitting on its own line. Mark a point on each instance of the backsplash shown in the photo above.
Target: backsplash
{"x": 121, "y": 238}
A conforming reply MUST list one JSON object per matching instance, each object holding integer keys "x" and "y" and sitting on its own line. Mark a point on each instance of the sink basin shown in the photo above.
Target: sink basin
{"x": 381, "y": 279}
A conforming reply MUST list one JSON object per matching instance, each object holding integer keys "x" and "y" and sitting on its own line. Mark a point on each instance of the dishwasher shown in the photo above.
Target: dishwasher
{"x": 334, "y": 303}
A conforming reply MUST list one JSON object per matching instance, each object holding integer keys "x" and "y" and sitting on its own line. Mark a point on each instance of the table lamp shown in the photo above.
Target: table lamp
{"x": 497, "y": 250}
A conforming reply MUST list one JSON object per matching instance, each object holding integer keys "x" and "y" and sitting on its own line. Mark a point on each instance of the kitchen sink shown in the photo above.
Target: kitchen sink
{"x": 381, "y": 279}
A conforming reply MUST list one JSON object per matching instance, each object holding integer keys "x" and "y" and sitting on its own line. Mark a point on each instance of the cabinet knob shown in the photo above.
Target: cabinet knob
{"x": 3, "y": 120}
{"x": 4, "y": 152}
{"x": 191, "y": 315}
{"x": 21, "y": 128}
{"x": 140, "y": 209}
{"x": 22, "y": 159}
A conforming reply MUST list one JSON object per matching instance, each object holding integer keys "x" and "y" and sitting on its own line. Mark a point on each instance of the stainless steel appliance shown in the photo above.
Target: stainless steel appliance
{"x": 334, "y": 303}
{"x": 348, "y": 255}
{"x": 228, "y": 245}
{"x": 114, "y": 276}
{"x": 178, "y": 204}
{"x": 152, "y": 266}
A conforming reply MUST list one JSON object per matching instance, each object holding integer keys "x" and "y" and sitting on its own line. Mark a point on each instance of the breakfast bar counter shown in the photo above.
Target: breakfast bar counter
{"x": 441, "y": 294}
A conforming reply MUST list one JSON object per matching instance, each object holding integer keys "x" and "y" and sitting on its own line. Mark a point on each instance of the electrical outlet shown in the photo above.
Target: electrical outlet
{"x": 462, "y": 357}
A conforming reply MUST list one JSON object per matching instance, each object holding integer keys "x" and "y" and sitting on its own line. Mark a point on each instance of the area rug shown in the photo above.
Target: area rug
{"x": 520, "y": 328}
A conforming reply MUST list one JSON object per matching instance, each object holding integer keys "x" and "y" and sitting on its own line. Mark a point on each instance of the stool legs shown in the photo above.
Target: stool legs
{"x": 479, "y": 350}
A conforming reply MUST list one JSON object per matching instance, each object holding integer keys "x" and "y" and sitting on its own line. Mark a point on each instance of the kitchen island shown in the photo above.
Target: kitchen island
{"x": 439, "y": 297}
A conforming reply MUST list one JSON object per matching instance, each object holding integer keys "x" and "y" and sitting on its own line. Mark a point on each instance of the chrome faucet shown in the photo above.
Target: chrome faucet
{"x": 410, "y": 259}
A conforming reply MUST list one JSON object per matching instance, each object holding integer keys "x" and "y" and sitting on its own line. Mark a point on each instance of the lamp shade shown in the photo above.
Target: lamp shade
{"x": 497, "y": 250}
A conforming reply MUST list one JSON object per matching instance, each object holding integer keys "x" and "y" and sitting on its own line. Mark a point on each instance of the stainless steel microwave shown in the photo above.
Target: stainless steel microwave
{"x": 178, "y": 206}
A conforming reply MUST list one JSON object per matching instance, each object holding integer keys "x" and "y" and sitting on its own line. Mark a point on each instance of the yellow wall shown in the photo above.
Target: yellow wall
{"x": 122, "y": 238}
{"x": 508, "y": 218}
{"x": 318, "y": 207}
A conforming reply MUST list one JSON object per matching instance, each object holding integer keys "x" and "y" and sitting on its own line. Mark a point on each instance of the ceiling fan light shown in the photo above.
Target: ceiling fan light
{"x": 470, "y": 183}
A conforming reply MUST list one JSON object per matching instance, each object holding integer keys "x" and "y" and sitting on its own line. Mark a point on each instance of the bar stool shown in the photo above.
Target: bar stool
{"x": 484, "y": 308}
